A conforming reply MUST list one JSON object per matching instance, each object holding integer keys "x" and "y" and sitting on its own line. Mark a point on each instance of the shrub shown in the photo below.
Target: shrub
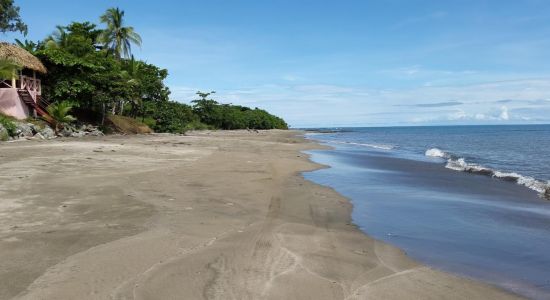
{"x": 59, "y": 114}
{"x": 171, "y": 116}
{"x": 197, "y": 125}
{"x": 7, "y": 123}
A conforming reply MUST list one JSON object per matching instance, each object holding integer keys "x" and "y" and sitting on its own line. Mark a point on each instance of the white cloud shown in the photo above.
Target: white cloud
{"x": 480, "y": 117}
{"x": 337, "y": 105}
{"x": 504, "y": 114}
{"x": 182, "y": 93}
{"x": 458, "y": 115}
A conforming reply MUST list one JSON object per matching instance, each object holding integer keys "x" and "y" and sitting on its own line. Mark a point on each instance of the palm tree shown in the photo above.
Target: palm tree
{"x": 131, "y": 73}
{"x": 116, "y": 37}
{"x": 60, "y": 114}
{"x": 58, "y": 39}
{"x": 27, "y": 45}
{"x": 8, "y": 69}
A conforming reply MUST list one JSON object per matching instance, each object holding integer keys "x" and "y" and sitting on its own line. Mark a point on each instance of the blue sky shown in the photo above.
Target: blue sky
{"x": 342, "y": 63}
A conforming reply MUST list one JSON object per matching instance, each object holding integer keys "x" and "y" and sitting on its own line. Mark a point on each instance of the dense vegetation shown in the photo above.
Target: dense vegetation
{"x": 10, "y": 19}
{"x": 93, "y": 68}
{"x": 8, "y": 125}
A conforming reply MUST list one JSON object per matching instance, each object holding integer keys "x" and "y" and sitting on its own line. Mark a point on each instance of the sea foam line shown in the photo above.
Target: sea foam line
{"x": 375, "y": 146}
{"x": 460, "y": 164}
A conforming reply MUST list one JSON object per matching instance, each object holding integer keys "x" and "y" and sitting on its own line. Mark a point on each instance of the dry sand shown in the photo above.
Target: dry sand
{"x": 213, "y": 215}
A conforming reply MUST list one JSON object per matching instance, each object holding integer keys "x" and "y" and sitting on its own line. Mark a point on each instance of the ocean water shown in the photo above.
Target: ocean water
{"x": 471, "y": 200}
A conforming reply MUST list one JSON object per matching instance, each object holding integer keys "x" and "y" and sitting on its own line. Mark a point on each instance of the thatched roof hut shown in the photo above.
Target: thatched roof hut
{"x": 21, "y": 57}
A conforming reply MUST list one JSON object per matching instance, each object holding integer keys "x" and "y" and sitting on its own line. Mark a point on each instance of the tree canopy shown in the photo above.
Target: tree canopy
{"x": 10, "y": 19}
{"x": 93, "y": 69}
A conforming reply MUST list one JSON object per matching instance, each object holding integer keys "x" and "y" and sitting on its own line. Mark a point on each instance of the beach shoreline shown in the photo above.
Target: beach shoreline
{"x": 223, "y": 214}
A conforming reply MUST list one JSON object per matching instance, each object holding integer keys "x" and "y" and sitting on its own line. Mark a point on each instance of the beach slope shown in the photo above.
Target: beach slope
{"x": 211, "y": 215}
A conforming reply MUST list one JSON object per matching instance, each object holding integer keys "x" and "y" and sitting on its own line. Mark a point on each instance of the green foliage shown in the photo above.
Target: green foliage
{"x": 90, "y": 68}
{"x": 60, "y": 113}
{"x": 10, "y": 19}
{"x": 197, "y": 125}
{"x": 147, "y": 85}
{"x": 175, "y": 117}
{"x": 170, "y": 116}
{"x": 8, "y": 69}
{"x": 8, "y": 123}
{"x": 208, "y": 110}
{"x": 80, "y": 72}
{"x": 117, "y": 37}
{"x": 27, "y": 45}
{"x": 226, "y": 116}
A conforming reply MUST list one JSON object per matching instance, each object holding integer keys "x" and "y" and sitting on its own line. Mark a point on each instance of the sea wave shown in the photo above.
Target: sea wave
{"x": 375, "y": 146}
{"x": 434, "y": 152}
{"x": 460, "y": 164}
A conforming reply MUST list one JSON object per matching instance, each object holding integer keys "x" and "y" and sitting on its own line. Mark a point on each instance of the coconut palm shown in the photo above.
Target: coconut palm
{"x": 27, "y": 45}
{"x": 58, "y": 39}
{"x": 60, "y": 114}
{"x": 132, "y": 72}
{"x": 117, "y": 37}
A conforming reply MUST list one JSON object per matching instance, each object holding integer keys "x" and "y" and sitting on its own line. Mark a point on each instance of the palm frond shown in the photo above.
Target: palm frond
{"x": 116, "y": 36}
{"x": 8, "y": 69}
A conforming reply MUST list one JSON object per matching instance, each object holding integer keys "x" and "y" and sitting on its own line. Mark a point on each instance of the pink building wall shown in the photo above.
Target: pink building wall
{"x": 11, "y": 104}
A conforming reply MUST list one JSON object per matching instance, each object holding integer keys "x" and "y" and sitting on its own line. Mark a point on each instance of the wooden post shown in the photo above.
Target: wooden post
{"x": 13, "y": 82}
{"x": 34, "y": 80}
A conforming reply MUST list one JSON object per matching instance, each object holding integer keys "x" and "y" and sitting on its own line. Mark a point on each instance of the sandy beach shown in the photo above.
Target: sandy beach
{"x": 210, "y": 215}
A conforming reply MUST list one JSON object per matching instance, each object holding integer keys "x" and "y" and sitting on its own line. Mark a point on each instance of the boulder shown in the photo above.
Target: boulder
{"x": 65, "y": 132}
{"x": 38, "y": 136}
{"x": 77, "y": 134}
{"x": 24, "y": 129}
{"x": 47, "y": 133}
{"x": 96, "y": 133}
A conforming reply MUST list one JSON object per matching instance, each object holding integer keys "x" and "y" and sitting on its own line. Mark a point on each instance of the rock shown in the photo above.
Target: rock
{"x": 39, "y": 136}
{"x": 72, "y": 131}
{"x": 96, "y": 133}
{"x": 47, "y": 133}
{"x": 24, "y": 129}
{"x": 35, "y": 128}
{"x": 65, "y": 132}
{"x": 77, "y": 134}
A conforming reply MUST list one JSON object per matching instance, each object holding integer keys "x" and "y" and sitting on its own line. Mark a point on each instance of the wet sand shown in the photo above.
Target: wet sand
{"x": 481, "y": 227}
{"x": 212, "y": 215}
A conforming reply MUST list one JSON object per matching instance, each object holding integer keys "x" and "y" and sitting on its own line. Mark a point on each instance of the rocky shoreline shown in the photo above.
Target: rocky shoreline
{"x": 31, "y": 131}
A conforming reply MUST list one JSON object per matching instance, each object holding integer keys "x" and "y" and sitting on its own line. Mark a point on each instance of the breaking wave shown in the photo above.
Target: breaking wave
{"x": 434, "y": 152}
{"x": 375, "y": 146}
{"x": 460, "y": 164}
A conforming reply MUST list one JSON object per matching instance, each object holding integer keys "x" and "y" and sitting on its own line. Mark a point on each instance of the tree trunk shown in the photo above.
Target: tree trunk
{"x": 102, "y": 114}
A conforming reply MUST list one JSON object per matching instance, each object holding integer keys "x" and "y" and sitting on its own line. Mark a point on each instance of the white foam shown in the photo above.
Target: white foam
{"x": 527, "y": 181}
{"x": 375, "y": 146}
{"x": 461, "y": 165}
{"x": 434, "y": 152}
{"x": 457, "y": 165}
